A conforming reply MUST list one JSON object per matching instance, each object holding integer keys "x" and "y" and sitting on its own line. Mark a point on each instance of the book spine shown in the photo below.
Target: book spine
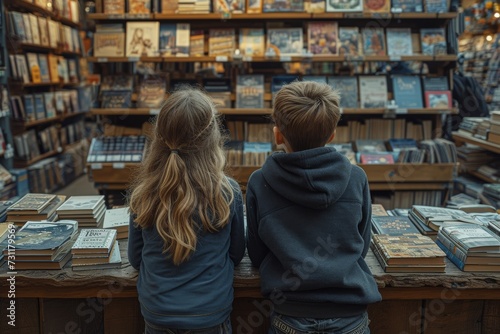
{"x": 455, "y": 249}
{"x": 456, "y": 261}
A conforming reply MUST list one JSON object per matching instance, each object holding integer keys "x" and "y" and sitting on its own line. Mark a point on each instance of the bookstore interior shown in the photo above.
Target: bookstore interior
{"x": 82, "y": 81}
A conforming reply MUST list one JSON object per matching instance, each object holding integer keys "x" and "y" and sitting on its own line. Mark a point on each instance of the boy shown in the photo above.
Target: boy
{"x": 309, "y": 213}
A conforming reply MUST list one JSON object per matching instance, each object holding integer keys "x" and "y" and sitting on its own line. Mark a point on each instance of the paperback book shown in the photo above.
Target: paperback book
{"x": 373, "y": 42}
{"x": 221, "y": 42}
{"x": 284, "y": 42}
{"x": 250, "y": 91}
{"x": 252, "y": 42}
{"x": 399, "y": 42}
{"x": 373, "y": 91}
{"x": 350, "y": 41}
{"x": 348, "y": 88}
{"x": 322, "y": 38}
{"x": 142, "y": 39}
{"x": 433, "y": 41}
{"x": 438, "y": 99}
{"x": 270, "y": 6}
{"x": 109, "y": 44}
{"x": 174, "y": 39}
{"x": 376, "y": 6}
{"x": 393, "y": 225}
{"x": 344, "y": 6}
{"x": 406, "y": 6}
{"x": 91, "y": 241}
{"x": 407, "y": 91}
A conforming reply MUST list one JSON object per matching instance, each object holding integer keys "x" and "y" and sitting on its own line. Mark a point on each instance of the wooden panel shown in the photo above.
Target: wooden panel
{"x": 491, "y": 317}
{"x": 72, "y": 315}
{"x": 250, "y": 316}
{"x": 27, "y": 319}
{"x": 406, "y": 316}
{"x": 101, "y": 173}
{"x": 452, "y": 316}
{"x": 123, "y": 316}
{"x": 409, "y": 172}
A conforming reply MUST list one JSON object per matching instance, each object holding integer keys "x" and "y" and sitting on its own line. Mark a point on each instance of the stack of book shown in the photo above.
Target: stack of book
{"x": 408, "y": 253}
{"x": 470, "y": 247}
{"x": 494, "y": 132}
{"x": 96, "y": 249}
{"x": 33, "y": 207}
{"x": 42, "y": 245}
{"x": 491, "y": 192}
{"x": 87, "y": 210}
{"x": 429, "y": 219}
{"x": 119, "y": 220}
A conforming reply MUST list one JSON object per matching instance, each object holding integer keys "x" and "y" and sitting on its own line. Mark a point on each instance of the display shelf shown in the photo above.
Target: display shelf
{"x": 30, "y": 7}
{"x": 20, "y": 125}
{"x": 463, "y": 138}
{"x": 112, "y": 173}
{"x": 123, "y": 111}
{"x": 71, "y": 115}
{"x": 382, "y": 186}
{"x": 69, "y": 22}
{"x": 482, "y": 177}
{"x": 35, "y": 47}
{"x": 417, "y": 173}
{"x": 245, "y": 111}
{"x": 27, "y": 163}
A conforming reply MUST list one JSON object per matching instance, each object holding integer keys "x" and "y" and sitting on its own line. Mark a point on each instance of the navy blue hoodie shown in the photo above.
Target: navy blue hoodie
{"x": 309, "y": 229}
{"x": 199, "y": 292}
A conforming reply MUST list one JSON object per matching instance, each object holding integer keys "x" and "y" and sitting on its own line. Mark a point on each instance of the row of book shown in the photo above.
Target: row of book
{"x": 153, "y": 39}
{"x": 67, "y": 9}
{"x": 140, "y": 7}
{"x": 486, "y": 128}
{"x": 33, "y": 68}
{"x": 405, "y": 199}
{"x": 31, "y": 144}
{"x": 28, "y": 28}
{"x": 117, "y": 149}
{"x": 474, "y": 188}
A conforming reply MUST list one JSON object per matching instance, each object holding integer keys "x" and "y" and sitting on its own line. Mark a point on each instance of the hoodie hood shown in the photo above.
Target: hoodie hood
{"x": 314, "y": 178}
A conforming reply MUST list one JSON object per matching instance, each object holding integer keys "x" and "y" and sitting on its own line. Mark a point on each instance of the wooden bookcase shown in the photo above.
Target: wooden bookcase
{"x": 395, "y": 177}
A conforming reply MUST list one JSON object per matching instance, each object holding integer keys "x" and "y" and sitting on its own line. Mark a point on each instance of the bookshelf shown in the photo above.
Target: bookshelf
{"x": 464, "y": 138}
{"x": 435, "y": 177}
{"x": 6, "y": 152}
{"x": 49, "y": 96}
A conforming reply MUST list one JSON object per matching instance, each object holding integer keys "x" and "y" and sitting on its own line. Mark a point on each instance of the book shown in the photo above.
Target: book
{"x": 114, "y": 6}
{"x": 152, "y": 91}
{"x": 81, "y": 204}
{"x": 407, "y": 91}
{"x": 250, "y": 91}
{"x": 142, "y": 39}
{"x": 139, "y": 6}
{"x": 436, "y": 6}
{"x": 322, "y": 38}
{"x": 254, "y": 6}
{"x": 471, "y": 237}
{"x": 53, "y": 68}
{"x": 118, "y": 219}
{"x": 376, "y": 6}
{"x": 22, "y": 68}
{"x": 350, "y": 42}
{"x": 369, "y": 145}
{"x": 94, "y": 241}
{"x": 376, "y": 158}
{"x": 174, "y": 39}
{"x": 45, "y": 214}
{"x": 197, "y": 43}
{"x": 373, "y": 42}
{"x": 44, "y": 31}
{"x": 278, "y": 81}
{"x": 378, "y": 210}
{"x": 32, "y": 203}
{"x": 492, "y": 266}
{"x": 344, "y": 6}
{"x": 35, "y": 32}
{"x": 435, "y": 83}
{"x": 50, "y": 109}
{"x": 44, "y": 67}
{"x": 84, "y": 260}
{"x": 109, "y": 44}
{"x": 406, "y": 6}
{"x": 393, "y": 225}
{"x": 433, "y": 41}
{"x": 399, "y": 42}
{"x": 221, "y": 42}
{"x": 405, "y": 268}
{"x": 114, "y": 261}
{"x": 373, "y": 91}
{"x": 438, "y": 99}
{"x": 116, "y": 149}
{"x": 252, "y": 42}
{"x": 39, "y": 106}
{"x": 283, "y": 6}
{"x": 229, "y": 6}
{"x": 34, "y": 67}
{"x": 169, "y": 6}
{"x": 284, "y": 42}
{"x": 59, "y": 263}
{"x": 348, "y": 88}
{"x": 27, "y": 28}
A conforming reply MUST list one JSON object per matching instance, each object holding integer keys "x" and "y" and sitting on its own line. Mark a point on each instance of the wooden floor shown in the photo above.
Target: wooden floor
{"x": 80, "y": 187}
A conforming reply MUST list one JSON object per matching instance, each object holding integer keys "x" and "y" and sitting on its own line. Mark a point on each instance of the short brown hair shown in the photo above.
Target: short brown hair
{"x": 306, "y": 113}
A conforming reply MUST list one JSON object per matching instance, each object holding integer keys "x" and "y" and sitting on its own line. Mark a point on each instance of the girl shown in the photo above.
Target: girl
{"x": 186, "y": 232}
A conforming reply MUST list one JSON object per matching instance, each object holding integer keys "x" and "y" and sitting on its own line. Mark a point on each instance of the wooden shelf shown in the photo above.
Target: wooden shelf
{"x": 36, "y": 47}
{"x": 69, "y": 22}
{"x": 380, "y": 186}
{"x": 123, "y": 112}
{"x": 234, "y": 111}
{"x": 409, "y": 173}
{"x": 26, "y": 125}
{"x": 483, "y": 177}
{"x": 112, "y": 173}
{"x": 463, "y": 138}
{"x": 24, "y": 164}
{"x": 30, "y": 7}
{"x": 71, "y": 115}
{"x": 32, "y": 85}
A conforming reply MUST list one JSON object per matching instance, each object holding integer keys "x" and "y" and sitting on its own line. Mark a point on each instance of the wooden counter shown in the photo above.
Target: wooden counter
{"x": 105, "y": 301}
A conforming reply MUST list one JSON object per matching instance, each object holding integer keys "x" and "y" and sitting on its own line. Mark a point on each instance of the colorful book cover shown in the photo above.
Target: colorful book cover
{"x": 114, "y": 99}
{"x": 142, "y": 39}
{"x": 197, "y": 43}
{"x": 252, "y": 42}
{"x": 471, "y": 237}
{"x": 399, "y": 42}
{"x": 435, "y": 83}
{"x": 350, "y": 41}
{"x": 393, "y": 225}
{"x": 374, "y": 158}
{"x": 436, "y": 6}
{"x": 402, "y": 248}
{"x": 229, "y": 6}
{"x": 109, "y": 44}
{"x": 32, "y": 202}
{"x": 433, "y": 41}
{"x": 174, "y": 39}
{"x": 50, "y": 109}
{"x": 114, "y": 6}
{"x": 94, "y": 239}
{"x": 373, "y": 91}
{"x": 376, "y": 6}
{"x": 322, "y": 38}
{"x": 39, "y": 106}
{"x": 44, "y": 67}
{"x": 29, "y": 107}
{"x": 139, "y": 6}
{"x": 407, "y": 91}
{"x": 38, "y": 235}
{"x": 34, "y": 67}
{"x": 285, "y": 41}
{"x": 221, "y": 42}
{"x": 344, "y": 6}
{"x": 348, "y": 88}
{"x": 250, "y": 91}
{"x": 370, "y": 145}
{"x": 270, "y": 6}
{"x": 152, "y": 92}
{"x": 438, "y": 99}
{"x": 374, "y": 42}
{"x": 407, "y": 6}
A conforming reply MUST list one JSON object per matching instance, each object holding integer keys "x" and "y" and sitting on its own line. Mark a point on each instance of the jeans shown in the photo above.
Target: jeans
{"x": 282, "y": 324}
{"x": 224, "y": 328}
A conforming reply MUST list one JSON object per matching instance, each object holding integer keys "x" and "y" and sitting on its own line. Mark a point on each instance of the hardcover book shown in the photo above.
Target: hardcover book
{"x": 376, "y": 6}
{"x": 348, "y": 88}
{"x": 379, "y": 210}
{"x": 174, "y": 39}
{"x": 250, "y": 91}
{"x": 438, "y": 99}
{"x": 116, "y": 99}
{"x": 221, "y": 42}
{"x": 39, "y": 106}
{"x": 370, "y": 145}
{"x": 278, "y": 81}
{"x": 18, "y": 26}
{"x": 34, "y": 67}
{"x": 252, "y": 42}
{"x": 142, "y": 39}
{"x": 373, "y": 91}
{"x": 53, "y": 68}
{"x": 139, "y": 6}
{"x": 117, "y": 219}
{"x": 399, "y": 42}
{"x": 373, "y": 42}
{"x": 407, "y": 91}
{"x": 284, "y": 41}
{"x": 50, "y": 109}
{"x": 169, "y": 6}
{"x": 471, "y": 237}
{"x": 435, "y": 83}
{"x": 393, "y": 225}
{"x": 22, "y": 68}
{"x": 436, "y": 6}
{"x": 114, "y": 262}
{"x": 44, "y": 31}
{"x": 322, "y": 38}
{"x": 53, "y": 33}
{"x": 407, "y": 6}
{"x": 109, "y": 44}
{"x": 81, "y": 204}
{"x": 490, "y": 264}
{"x": 94, "y": 241}
{"x": 270, "y": 6}
{"x": 29, "y": 107}
{"x": 197, "y": 43}
{"x": 35, "y": 32}
{"x": 344, "y": 6}
{"x": 350, "y": 41}
{"x": 32, "y": 203}
{"x": 433, "y": 41}
{"x": 27, "y": 28}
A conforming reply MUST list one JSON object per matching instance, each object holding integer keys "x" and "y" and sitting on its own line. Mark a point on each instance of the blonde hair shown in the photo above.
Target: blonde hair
{"x": 182, "y": 178}
{"x": 306, "y": 113}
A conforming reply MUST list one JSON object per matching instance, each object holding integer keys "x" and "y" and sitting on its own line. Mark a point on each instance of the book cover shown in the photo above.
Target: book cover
{"x": 94, "y": 240}
{"x": 398, "y": 144}
{"x": 433, "y": 41}
{"x": 19, "y": 28}
{"x": 53, "y": 68}
{"x": 376, "y": 6}
{"x": 142, "y": 39}
{"x": 436, "y": 6}
{"x": 284, "y": 41}
{"x": 44, "y": 67}
{"x": 379, "y": 210}
{"x": 229, "y": 6}
{"x": 152, "y": 92}
{"x": 39, "y": 236}
{"x": 34, "y": 67}
{"x": 114, "y": 262}
{"x": 278, "y": 81}
{"x": 344, "y": 6}
{"x": 393, "y": 225}
{"x": 472, "y": 237}
{"x": 254, "y": 6}
{"x": 32, "y": 203}
{"x": 370, "y": 145}
{"x": 252, "y": 42}
{"x": 35, "y": 32}
{"x": 399, "y": 42}
{"x": 197, "y": 43}
{"x": 373, "y": 42}
{"x": 348, "y": 88}
{"x": 435, "y": 83}
{"x": 109, "y": 44}
{"x": 44, "y": 31}
{"x": 438, "y": 99}
{"x": 22, "y": 68}
{"x": 81, "y": 204}
{"x": 39, "y": 106}
{"x": 116, "y": 99}
{"x": 174, "y": 39}
{"x": 117, "y": 218}
{"x": 250, "y": 91}
{"x": 322, "y": 38}
{"x": 53, "y": 33}
{"x": 139, "y": 6}
{"x": 376, "y": 158}
{"x": 407, "y": 267}
{"x": 29, "y": 107}
{"x": 50, "y": 109}
{"x": 27, "y": 28}
{"x": 270, "y": 6}
{"x": 373, "y": 91}
{"x": 221, "y": 42}
{"x": 407, "y": 91}
{"x": 350, "y": 41}
{"x": 114, "y": 6}
{"x": 407, "y": 6}
{"x": 169, "y": 6}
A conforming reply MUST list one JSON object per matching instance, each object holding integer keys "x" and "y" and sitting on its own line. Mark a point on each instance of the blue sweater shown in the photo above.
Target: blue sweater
{"x": 198, "y": 293}
{"x": 309, "y": 225}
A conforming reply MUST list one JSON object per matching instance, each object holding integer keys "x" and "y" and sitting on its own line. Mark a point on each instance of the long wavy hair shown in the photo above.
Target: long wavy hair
{"x": 181, "y": 180}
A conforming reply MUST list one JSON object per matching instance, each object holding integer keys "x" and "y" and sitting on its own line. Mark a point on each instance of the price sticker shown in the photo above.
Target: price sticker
{"x": 221, "y": 59}
{"x": 118, "y": 165}
{"x": 95, "y": 166}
